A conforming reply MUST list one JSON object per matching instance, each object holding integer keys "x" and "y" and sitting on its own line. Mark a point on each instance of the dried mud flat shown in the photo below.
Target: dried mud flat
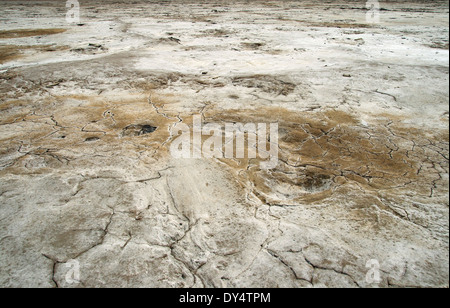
{"x": 86, "y": 113}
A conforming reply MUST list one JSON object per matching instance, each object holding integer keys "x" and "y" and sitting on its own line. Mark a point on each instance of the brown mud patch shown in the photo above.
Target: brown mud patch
{"x": 266, "y": 83}
{"x": 9, "y": 53}
{"x": 13, "y": 52}
{"x": 61, "y": 130}
{"x": 274, "y": 85}
{"x": 8, "y": 34}
{"x": 322, "y": 151}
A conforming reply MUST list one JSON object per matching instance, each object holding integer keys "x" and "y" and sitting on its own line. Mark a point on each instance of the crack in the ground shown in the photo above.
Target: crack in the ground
{"x": 331, "y": 269}
{"x": 294, "y": 273}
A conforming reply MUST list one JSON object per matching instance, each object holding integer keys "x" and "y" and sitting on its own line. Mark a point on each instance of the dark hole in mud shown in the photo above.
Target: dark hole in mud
{"x": 147, "y": 129}
{"x": 91, "y": 139}
{"x": 138, "y": 130}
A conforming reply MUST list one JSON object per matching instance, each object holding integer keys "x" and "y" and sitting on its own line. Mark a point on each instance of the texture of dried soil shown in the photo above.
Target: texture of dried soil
{"x": 86, "y": 118}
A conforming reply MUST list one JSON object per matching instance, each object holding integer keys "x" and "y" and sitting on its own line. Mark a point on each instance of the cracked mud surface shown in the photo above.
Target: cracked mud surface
{"x": 86, "y": 114}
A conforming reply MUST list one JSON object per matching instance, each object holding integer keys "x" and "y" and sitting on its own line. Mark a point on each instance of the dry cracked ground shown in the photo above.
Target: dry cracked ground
{"x": 86, "y": 118}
